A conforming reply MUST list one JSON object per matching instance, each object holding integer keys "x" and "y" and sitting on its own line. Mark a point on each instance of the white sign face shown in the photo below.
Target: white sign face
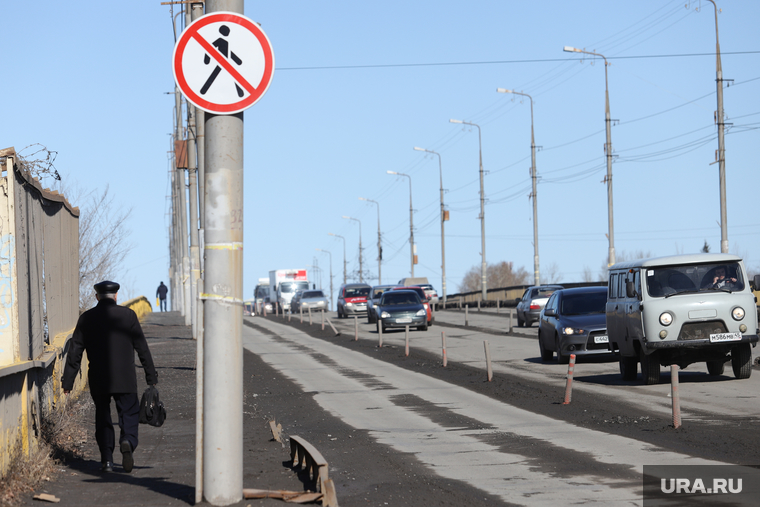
{"x": 223, "y": 63}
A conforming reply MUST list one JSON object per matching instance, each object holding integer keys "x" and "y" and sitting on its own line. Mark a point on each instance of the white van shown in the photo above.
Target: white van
{"x": 681, "y": 310}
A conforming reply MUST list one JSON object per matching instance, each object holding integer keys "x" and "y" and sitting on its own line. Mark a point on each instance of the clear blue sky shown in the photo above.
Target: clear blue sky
{"x": 359, "y": 84}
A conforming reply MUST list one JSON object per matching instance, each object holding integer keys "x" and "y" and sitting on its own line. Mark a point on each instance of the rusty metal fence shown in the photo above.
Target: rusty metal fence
{"x": 39, "y": 301}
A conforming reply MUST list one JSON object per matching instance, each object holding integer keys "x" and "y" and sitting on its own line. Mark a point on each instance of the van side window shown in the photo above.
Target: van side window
{"x": 637, "y": 282}
{"x": 613, "y": 286}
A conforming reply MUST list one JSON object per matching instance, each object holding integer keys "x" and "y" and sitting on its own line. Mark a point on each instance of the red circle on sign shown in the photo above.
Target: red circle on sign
{"x": 255, "y": 92}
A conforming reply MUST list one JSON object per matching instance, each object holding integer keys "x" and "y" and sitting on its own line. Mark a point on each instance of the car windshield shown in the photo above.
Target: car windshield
{"x": 357, "y": 292}
{"x": 400, "y": 298}
{"x": 542, "y": 292}
{"x": 694, "y": 278}
{"x": 378, "y": 291}
{"x": 287, "y": 287}
{"x": 262, "y": 292}
{"x": 584, "y": 304}
{"x": 313, "y": 294}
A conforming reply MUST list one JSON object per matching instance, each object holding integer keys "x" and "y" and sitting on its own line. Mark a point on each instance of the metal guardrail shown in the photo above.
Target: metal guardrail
{"x": 306, "y": 455}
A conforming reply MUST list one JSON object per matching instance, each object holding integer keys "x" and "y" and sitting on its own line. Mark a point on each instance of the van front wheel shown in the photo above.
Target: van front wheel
{"x": 715, "y": 368}
{"x": 650, "y": 368}
{"x": 628, "y": 368}
{"x": 741, "y": 361}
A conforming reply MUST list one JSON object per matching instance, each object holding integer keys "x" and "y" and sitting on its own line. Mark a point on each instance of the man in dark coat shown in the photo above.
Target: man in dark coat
{"x": 111, "y": 334}
{"x": 161, "y": 295}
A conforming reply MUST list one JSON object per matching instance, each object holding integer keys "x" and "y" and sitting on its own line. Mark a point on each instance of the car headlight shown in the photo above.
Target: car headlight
{"x": 666, "y": 319}
{"x": 422, "y": 312}
{"x": 349, "y": 304}
{"x": 385, "y": 315}
{"x": 572, "y": 330}
{"x": 737, "y": 313}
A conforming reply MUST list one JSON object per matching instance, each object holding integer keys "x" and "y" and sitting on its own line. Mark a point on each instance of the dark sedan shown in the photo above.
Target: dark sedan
{"x": 401, "y": 308}
{"x": 374, "y": 300}
{"x": 574, "y": 322}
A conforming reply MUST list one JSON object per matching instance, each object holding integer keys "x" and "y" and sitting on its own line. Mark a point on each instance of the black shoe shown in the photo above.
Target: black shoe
{"x": 127, "y": 461}
{"x": 106, "y": 467}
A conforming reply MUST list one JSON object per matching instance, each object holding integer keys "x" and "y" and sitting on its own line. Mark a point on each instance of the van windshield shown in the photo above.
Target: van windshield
{"x": 287, "y": 287}
{"x": 694, "y": 278}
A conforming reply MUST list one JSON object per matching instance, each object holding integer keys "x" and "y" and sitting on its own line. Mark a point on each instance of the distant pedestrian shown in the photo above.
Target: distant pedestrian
{"x": 111, "y": 334}
{"x": 161, "y": 295}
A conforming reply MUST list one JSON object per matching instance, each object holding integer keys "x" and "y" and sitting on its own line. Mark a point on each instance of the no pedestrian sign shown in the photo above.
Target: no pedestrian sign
{"x": 223, "y": 63}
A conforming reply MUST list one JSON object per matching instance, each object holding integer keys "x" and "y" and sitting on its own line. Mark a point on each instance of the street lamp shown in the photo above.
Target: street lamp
{"x": 331, "y": 276}
{"x": 443, "y": 219}
{"x": 483, "y": 285}
{"x": 534, "y": 195}
{"x": 721, "y": 144}
{"x": 379, "y": 244}
{"x": 608, "y": 151}
{"x": 361, "y": 266}
{"x": 344, "y": 253}
{"x": 411, "y": 218}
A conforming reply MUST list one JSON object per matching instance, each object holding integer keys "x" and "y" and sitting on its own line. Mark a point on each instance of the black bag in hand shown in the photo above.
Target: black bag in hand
{"x": 152, "y": 411}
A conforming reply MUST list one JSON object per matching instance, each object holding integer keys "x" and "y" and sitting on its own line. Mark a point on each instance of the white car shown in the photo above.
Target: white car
{"x": 430, "y": 292}
{"x": 534, "y": 299}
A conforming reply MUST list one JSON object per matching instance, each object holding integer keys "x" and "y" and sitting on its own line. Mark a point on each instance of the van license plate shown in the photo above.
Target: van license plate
{"x": 405, "y": 320}
{"x": 601, "y": 339}
{"x": 725, "y": 337}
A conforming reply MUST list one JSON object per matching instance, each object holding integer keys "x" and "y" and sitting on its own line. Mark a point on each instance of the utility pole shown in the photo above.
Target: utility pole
{"x": 483, "y": 281}
{"x": 193, "y": 198}
{"x": 223, "y": 310}
{"x": 182, "y": 202}
{"x": 411, "y": 219}
{"x": 379, "y": 243}
{"x": 534, "y": 194}
{"x": 331, "y": 276}
{"x": 608, "y": 153}
{"x": 361, "y": 268}
{"x": 443, "y": 220}
{"x": 344, "y": 254}
{"x": 720, "y": 120}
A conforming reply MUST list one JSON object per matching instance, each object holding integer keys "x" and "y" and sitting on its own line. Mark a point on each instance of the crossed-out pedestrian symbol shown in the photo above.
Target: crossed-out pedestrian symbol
{"x": 223, "y": 46}
{"x": 223, "y": 63}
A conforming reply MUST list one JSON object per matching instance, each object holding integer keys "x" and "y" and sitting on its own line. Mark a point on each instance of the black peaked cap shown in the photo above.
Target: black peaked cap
{"x": 106, "y": 287}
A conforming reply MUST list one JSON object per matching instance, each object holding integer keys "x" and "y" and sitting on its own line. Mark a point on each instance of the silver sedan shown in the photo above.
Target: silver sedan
{"x": 314, "y": 299}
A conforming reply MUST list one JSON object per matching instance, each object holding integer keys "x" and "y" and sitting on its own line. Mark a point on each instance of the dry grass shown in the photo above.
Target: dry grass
{"x": 62, "y": 437}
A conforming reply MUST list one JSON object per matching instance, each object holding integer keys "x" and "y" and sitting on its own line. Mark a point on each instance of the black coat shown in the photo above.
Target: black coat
{"x": 110, "y": 334}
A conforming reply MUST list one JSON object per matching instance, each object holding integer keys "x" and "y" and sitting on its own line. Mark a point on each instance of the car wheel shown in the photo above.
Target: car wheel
{"x": 422, "y": 328}
{"x": 377, "y": 326}
{"x": 741, "y": 361}
{"x": 628, "y": 367}
{"x": 546, "y": 355}
{"x": 716, "y": 368}
{"x": 650, "y": 367}
{"x": 561, "y": 359}
{"x": 528, "y": 323}
{"x": 520, "y": 322}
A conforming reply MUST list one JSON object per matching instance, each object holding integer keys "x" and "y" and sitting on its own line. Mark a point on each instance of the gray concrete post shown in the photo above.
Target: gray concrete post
{"x": 223, "y": 308}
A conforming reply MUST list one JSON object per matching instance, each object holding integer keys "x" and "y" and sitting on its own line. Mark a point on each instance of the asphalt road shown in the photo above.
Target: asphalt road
{"x": 510, "y": 440}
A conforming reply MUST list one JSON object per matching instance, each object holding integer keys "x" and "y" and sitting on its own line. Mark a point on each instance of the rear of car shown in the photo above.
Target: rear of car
{"x": 430, "y": 292}
{"x": 534, "y": 299}
{"x": 401, "y": 308}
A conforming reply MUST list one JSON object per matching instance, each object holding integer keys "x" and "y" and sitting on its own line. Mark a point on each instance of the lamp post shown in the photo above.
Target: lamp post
{"x": 344, "y": 253}
{"x": 721, "y": 144}
{"x": 379, "y": 244}
{"x": 534, "y": 194}
{"x": 483, "y": 284}
{"x": 608, "y": 152}
{"x": 361, "y": 266}
{"x": 443, "y": 219}
{"x": 411, "y": 219}
{"x": 331, "y": 276}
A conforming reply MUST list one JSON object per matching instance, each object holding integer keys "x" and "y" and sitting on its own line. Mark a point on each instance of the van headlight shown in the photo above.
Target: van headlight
{"x": 737, "y": 313}
{"x": 666, "y": 319}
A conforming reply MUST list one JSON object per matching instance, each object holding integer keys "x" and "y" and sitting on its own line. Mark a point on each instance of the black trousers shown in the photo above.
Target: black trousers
{"x": 128, "y": 409}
